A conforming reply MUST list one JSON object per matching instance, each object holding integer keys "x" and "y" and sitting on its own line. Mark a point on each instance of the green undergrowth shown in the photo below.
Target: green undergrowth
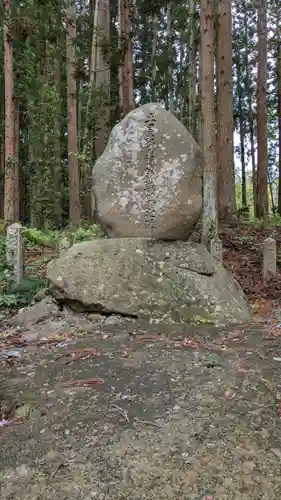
{"x": 50, "y": 238}
{"x": 35, "y": 241}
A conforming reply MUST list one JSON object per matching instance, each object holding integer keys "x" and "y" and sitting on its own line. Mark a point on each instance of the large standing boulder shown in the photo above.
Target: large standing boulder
{"x": 149, "y": 279}
{"x": 148, "y": 181}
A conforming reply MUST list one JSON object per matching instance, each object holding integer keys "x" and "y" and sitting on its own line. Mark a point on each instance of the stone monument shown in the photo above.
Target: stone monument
{"x": 148, "y": 192}
{"x": 148, "y": 182}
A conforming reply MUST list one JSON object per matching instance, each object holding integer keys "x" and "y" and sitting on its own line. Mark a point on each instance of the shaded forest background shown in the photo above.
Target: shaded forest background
{"x": 71, "y": 71}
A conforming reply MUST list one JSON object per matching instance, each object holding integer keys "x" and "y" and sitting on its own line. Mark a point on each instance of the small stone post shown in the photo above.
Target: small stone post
{"x": 216, "y": 249}
{"x": 14, "y": 251}
{"x": 269, "y": 258}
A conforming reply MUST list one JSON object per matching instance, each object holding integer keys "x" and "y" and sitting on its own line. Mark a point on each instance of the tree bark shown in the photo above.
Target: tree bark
{"x": 102, "y": 77}
{"x": 278, "y": 71}
{"x": 11, "y": 187}
{"x": 192, "y": 72}
{"x": 226, "y": 189}
{"x": 249, "y": 94}
{"x": 73, "y": 169}
{"x": 241, "y": 119}
{"x": 170, "y": 58}
{"x": 153, "y": 57}
{"x": 208, "y": 126}
{"x": 57, "y": 169}
{"x": 126, "y": 70}
{"x": 262, "y": 135}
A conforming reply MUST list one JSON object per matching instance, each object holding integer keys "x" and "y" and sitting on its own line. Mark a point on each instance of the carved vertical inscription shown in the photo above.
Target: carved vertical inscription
{"x": 149, "y": 174}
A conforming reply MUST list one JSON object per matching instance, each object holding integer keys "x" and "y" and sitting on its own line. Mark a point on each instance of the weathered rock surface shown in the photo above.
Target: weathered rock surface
{"x": 148, "y": 182}
{"x": 149, "y": 279}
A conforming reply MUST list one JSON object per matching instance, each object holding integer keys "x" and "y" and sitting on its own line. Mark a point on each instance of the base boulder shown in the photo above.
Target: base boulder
{"x": 149, "y": 279}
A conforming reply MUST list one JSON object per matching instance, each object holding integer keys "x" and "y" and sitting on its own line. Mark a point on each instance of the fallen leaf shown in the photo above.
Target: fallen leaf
{"x": 189, "y": 343}
{"x": 153, "y": 338}
{"x": 90, "y": 381}
{"x": 75, "y": 354}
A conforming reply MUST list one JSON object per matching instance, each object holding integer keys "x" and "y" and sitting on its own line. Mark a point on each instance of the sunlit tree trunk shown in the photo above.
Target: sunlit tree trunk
{"x": 208, "y": 126}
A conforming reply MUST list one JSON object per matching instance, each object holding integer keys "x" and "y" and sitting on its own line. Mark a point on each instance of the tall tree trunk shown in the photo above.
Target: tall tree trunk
{"x": 100, "y": 82}
{"x": 102, "y": 78}
{"x": 242, "y": 158}
{"x": 208, "y": 126}
{"x": 241, "y": 119}
{"x": 226, "y": 189}
{"x": 73, "y": 169}
{"x": 86, "y": 141}
{"x": 37, "y": 139}
{"x": 57, "y": 169}
{"x": 262, "y": 136}
{"x": 249, "y": 94}
{"x": 170, "y": 56}
{"x": 192, "y": 71}
{"x": 278, "y": 68}
{"x": 126, "y": 70}
{"x": 11, "y": 187}
{"x": 153, "y": 57}
{"x": 273, "y": 207}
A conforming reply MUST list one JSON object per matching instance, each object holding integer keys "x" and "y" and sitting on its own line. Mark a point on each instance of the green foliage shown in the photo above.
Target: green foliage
{"x": 49, "y": 238}
{"x": 85, "y": 234}
{"x": 37, "y": 237}
{"x": 22, "y": 294}
{"x": 245, "y": 238}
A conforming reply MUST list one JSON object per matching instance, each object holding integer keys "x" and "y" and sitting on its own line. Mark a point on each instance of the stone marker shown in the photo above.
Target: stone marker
{"x": 14, "y": 251}
{"x": 148, "y": 181}
{"x": 269, "y": 258}
{"x": 216, "y": 249}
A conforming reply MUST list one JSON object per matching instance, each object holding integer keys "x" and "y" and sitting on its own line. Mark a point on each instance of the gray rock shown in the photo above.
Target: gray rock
{"x": 95, "y": 318}
{"x": 160, "y": 281}
{"x": 114, "y": 320}
{"x": 37, "y": 313}
{"x": 148, "y": 181}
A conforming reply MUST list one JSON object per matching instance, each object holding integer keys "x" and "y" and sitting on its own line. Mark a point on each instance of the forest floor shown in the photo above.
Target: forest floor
{"x": 137, "y": 411}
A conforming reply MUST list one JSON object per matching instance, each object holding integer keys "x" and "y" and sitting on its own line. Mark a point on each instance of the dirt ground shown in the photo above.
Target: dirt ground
{"x": 149, "y": 412}
{"x": 137, "y": 411}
